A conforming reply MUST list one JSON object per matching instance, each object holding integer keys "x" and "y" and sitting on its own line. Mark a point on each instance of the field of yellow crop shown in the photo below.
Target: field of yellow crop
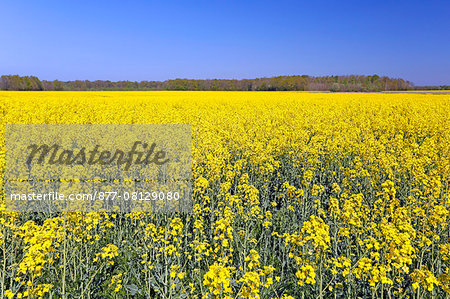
{"x": 296, "y": 195}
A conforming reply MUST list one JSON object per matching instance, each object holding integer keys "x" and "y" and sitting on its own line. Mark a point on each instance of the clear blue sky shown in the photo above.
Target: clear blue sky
{"x": 159, "y": 40}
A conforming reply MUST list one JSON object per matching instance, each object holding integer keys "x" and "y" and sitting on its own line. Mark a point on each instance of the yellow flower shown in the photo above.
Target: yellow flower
{"x": 9, "y": 294}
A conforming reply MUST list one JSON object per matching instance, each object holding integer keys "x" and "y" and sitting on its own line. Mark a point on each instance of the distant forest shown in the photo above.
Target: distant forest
{"x": 351, "y": 83}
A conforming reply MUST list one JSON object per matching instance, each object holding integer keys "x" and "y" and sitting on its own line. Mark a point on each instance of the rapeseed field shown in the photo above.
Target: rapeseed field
{"x": 295, "y": 195}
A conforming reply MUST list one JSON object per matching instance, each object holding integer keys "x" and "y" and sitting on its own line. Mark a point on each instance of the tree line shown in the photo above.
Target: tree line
{"x": 349, "y": 83}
